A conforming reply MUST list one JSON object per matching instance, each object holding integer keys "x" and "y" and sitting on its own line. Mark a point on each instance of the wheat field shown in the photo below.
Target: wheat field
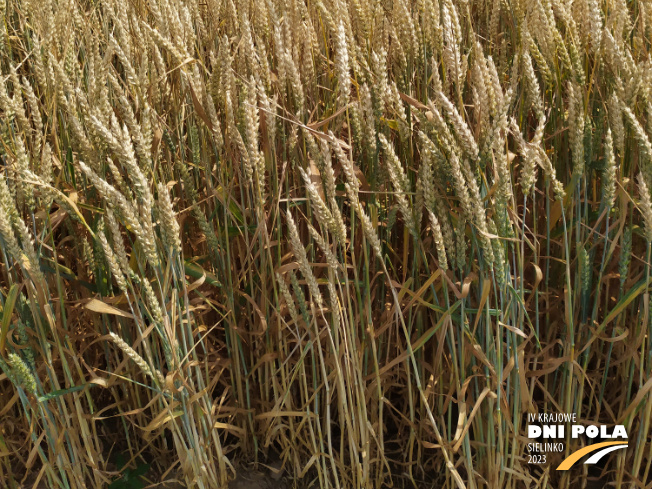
{"x": 358, "y": 240}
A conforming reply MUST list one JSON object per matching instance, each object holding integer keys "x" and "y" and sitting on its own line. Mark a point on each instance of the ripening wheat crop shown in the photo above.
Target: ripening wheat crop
{"x": 360, "y": 240}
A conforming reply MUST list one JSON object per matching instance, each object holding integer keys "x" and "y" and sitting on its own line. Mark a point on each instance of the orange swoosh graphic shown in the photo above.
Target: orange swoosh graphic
{"x": 574, "y": 457}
